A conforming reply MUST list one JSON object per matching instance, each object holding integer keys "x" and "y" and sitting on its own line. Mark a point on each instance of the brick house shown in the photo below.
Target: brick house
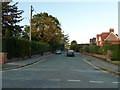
{"x": 107, "y": 36}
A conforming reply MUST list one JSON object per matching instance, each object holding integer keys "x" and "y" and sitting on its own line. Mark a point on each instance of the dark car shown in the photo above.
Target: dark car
{"x": 58, "y": 52}
{"x": 70, "y": 53}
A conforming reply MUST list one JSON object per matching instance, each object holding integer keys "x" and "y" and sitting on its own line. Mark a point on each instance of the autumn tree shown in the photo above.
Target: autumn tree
{"x": 46, "y": 28}
{"x": 11, "y": 15}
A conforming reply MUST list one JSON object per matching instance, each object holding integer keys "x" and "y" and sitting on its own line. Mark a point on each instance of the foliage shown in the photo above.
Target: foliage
{"x": 115, "y": 55}
{"x": 106, "y": 46}
{"x": 73, "y": 42}
{"x": 115, "y": 51}
{"x": 93, "y": 49}
{"x": 20, "y": 47}
{"x": 46, "y": 28}
{"x": 74, "y": 46}
{"x": 10, "y": 17}
{"x": 85, "y": 48}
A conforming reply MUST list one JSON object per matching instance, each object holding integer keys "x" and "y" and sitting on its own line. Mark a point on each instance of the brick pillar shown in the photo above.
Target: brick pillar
{"x": 3, "y": 58}
{"x": 108, "y": 55}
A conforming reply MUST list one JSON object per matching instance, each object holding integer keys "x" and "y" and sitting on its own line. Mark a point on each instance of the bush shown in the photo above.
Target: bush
{"x": 93, "y": 49}
{"x": 115, "y": 51}
{"x": 19, "y": 47}
{"x": 115, "y": 48}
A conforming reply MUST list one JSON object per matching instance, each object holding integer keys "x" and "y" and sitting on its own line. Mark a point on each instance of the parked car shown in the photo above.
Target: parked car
{"x": 70, "y": 53}
{"x": 58, "y": 52}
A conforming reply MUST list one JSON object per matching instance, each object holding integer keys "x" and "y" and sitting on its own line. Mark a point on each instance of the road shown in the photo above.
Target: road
{"x": 59, "y": 71}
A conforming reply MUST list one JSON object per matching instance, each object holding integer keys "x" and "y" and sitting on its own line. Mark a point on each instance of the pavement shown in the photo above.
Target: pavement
{"x": 22, "y": 63}
{"x": 99, "y": 63}
{"x": 93, "y": 60}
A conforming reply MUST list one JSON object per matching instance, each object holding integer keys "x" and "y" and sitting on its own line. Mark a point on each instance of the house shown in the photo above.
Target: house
{"x": 93, "y": 41}
{"x": 107, "y": 36}
{"x": 67, "y": 47}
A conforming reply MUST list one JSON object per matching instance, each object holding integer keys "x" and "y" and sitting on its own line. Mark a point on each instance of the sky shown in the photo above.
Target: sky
{"x": 80, "y": 20}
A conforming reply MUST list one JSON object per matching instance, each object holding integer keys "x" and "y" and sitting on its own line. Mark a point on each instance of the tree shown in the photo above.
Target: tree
{"x": 73, "y": 42}
{"x": 74, "y": 46}
{"x": 10, "y": 17}
{"x": 46, "y": 28}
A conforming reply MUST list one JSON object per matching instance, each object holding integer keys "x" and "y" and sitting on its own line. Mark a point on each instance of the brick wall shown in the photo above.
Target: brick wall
{"x": 3, "y": 58}
{"x": 97, "y": 55}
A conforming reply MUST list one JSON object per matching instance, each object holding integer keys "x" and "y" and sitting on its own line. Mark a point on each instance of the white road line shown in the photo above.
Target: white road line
{"x": 73, "y": 80}
{"x": 54, "y": 79}
{"x": 96, "y": 82}
{"x": 116, "y": 82}
{"x": 90, "y": 64}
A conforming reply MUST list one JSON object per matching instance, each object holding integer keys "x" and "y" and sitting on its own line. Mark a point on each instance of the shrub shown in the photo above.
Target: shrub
{"x": 19, "y": 47}
{"x": 115, "y": 51}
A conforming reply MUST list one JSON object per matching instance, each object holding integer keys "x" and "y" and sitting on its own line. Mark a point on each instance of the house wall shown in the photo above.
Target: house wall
{"x": 111, "y": 38}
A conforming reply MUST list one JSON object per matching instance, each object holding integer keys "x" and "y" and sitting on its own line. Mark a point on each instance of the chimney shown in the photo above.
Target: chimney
{"x": 111, "y": 30}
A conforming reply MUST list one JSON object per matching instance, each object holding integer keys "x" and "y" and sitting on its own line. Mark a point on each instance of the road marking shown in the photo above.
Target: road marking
{"x": 97, "y": 67}
{"x": 90, "y": 64}
{"x": 116, "y": 82}
{"x": 73, "y": 80}
{"x": 96, "y": 82}
{"x": 54, "y": 79}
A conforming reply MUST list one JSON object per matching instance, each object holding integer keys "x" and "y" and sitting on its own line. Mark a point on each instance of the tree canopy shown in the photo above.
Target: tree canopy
{"x": 10, "y": 17}
{"x": 74, "y": 46}
{"x": 46, "y": 28}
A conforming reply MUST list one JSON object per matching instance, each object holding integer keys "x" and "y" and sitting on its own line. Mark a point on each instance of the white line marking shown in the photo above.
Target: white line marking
{"x": 73, "y": 80}
{"x": 54, "y": 79}
{"x": 116, "y": 82}
{"x": 96, "y": 81}
{"x": 91, "y": 64}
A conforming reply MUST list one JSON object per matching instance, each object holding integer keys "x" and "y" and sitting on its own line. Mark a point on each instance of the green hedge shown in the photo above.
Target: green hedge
{"x": 115, "y": 49}
{"x": 19, "y": 47}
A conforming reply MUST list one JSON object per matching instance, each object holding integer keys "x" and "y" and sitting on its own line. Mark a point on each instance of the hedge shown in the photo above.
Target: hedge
{"x": 115, "y": 49}
{"x": 18, "y": 47}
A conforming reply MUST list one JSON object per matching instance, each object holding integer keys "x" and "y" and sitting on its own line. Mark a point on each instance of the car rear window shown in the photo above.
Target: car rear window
{"x": 70, "y": 51}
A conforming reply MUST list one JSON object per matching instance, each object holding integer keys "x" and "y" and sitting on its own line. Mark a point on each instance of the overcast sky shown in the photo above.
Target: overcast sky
{"x": 81, "y": 20}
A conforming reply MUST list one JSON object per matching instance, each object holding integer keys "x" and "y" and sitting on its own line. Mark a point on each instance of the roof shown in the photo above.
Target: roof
{"x": 107, "y": 35}
{"x": 104, "y": 35}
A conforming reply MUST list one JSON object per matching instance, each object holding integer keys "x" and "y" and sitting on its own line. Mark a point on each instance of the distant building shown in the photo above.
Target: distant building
{"x": 93, "y": 41}
{"x": 67, "y": 47}
{"x": 107, "y": 36}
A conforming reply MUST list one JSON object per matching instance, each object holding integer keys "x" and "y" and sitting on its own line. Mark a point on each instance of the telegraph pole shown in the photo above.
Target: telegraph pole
{"x": 30, "y": 22}
{"x": 30, "y": 30}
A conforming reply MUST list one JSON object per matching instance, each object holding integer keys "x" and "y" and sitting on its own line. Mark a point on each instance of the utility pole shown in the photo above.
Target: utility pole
{"x": 30, "y": 22}
{"x": 30, "y": 30}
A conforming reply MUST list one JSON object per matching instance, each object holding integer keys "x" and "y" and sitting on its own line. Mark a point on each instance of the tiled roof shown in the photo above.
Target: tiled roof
{"x": 104, "y": 35}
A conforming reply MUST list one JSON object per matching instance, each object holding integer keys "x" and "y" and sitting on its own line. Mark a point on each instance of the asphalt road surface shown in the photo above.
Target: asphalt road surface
{"x": 59, "y": 71}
